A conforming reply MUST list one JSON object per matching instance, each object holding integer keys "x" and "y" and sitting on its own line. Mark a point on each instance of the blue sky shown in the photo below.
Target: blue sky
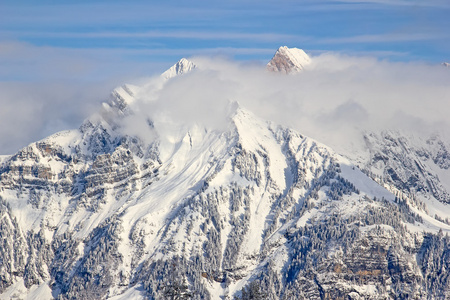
{"x": 155, "y": 34}
{"x": 60, "y": 59}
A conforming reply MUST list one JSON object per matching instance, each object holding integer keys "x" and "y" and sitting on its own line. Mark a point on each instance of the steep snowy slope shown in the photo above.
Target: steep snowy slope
{"x": 209, "y": 213}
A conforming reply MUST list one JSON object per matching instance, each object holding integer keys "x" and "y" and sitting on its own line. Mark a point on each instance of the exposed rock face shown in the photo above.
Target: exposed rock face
{"x": 288, "y": 60}
{"x": 409, "y": 166}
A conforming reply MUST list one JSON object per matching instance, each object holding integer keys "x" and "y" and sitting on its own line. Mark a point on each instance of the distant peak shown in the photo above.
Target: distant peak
{"x": 446, "y": 64}
{"x": 288, "y": 60}
{"x": 181, "y": 67}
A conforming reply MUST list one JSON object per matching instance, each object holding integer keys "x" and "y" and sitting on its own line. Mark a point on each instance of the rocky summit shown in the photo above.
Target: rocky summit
{"x": 288, "y": 60}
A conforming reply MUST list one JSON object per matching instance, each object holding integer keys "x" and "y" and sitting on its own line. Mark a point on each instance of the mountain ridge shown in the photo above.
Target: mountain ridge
{"x": 212, "y": 213}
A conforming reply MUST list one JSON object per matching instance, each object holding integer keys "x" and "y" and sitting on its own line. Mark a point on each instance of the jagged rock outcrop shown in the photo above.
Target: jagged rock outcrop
{"x": 408, "y": 164}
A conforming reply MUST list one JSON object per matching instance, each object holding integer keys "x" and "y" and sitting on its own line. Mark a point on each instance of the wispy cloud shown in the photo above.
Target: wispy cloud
{"x": 90, "y": 13}
{"x": 370, "y": 53}
{"x": 333, "y": 100}
{"x": 383, "y": 38}
{"x": 417, "y": 3}
{"x": 230, "y": 24}
{"x": 26, "y": 62}
{"x": 178, "y": 34}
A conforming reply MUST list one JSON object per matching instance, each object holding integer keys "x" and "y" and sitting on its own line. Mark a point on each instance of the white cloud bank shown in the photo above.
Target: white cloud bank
{"x": 332, "y": 100}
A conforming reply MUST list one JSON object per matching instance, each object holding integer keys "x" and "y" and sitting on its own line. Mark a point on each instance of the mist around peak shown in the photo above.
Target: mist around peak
{"x": 332, "y": 99}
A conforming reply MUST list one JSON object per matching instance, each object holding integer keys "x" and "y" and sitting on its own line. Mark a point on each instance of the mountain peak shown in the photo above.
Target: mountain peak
{"x": 288, "y": 60}
{"x": 446, "y": 64}
{"x": 181, "y": 67}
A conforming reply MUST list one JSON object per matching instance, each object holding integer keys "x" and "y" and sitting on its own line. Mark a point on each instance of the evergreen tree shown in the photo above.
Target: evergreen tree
{"x": 252, "y": 291}
{"x": 177, "y": 290}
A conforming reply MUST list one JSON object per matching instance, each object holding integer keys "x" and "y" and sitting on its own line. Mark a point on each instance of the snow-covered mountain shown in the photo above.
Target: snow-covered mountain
{"x": 251, "y": 209}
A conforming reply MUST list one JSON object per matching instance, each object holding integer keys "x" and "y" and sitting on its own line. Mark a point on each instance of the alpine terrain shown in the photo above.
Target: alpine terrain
{"x": 246, "y": 210}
